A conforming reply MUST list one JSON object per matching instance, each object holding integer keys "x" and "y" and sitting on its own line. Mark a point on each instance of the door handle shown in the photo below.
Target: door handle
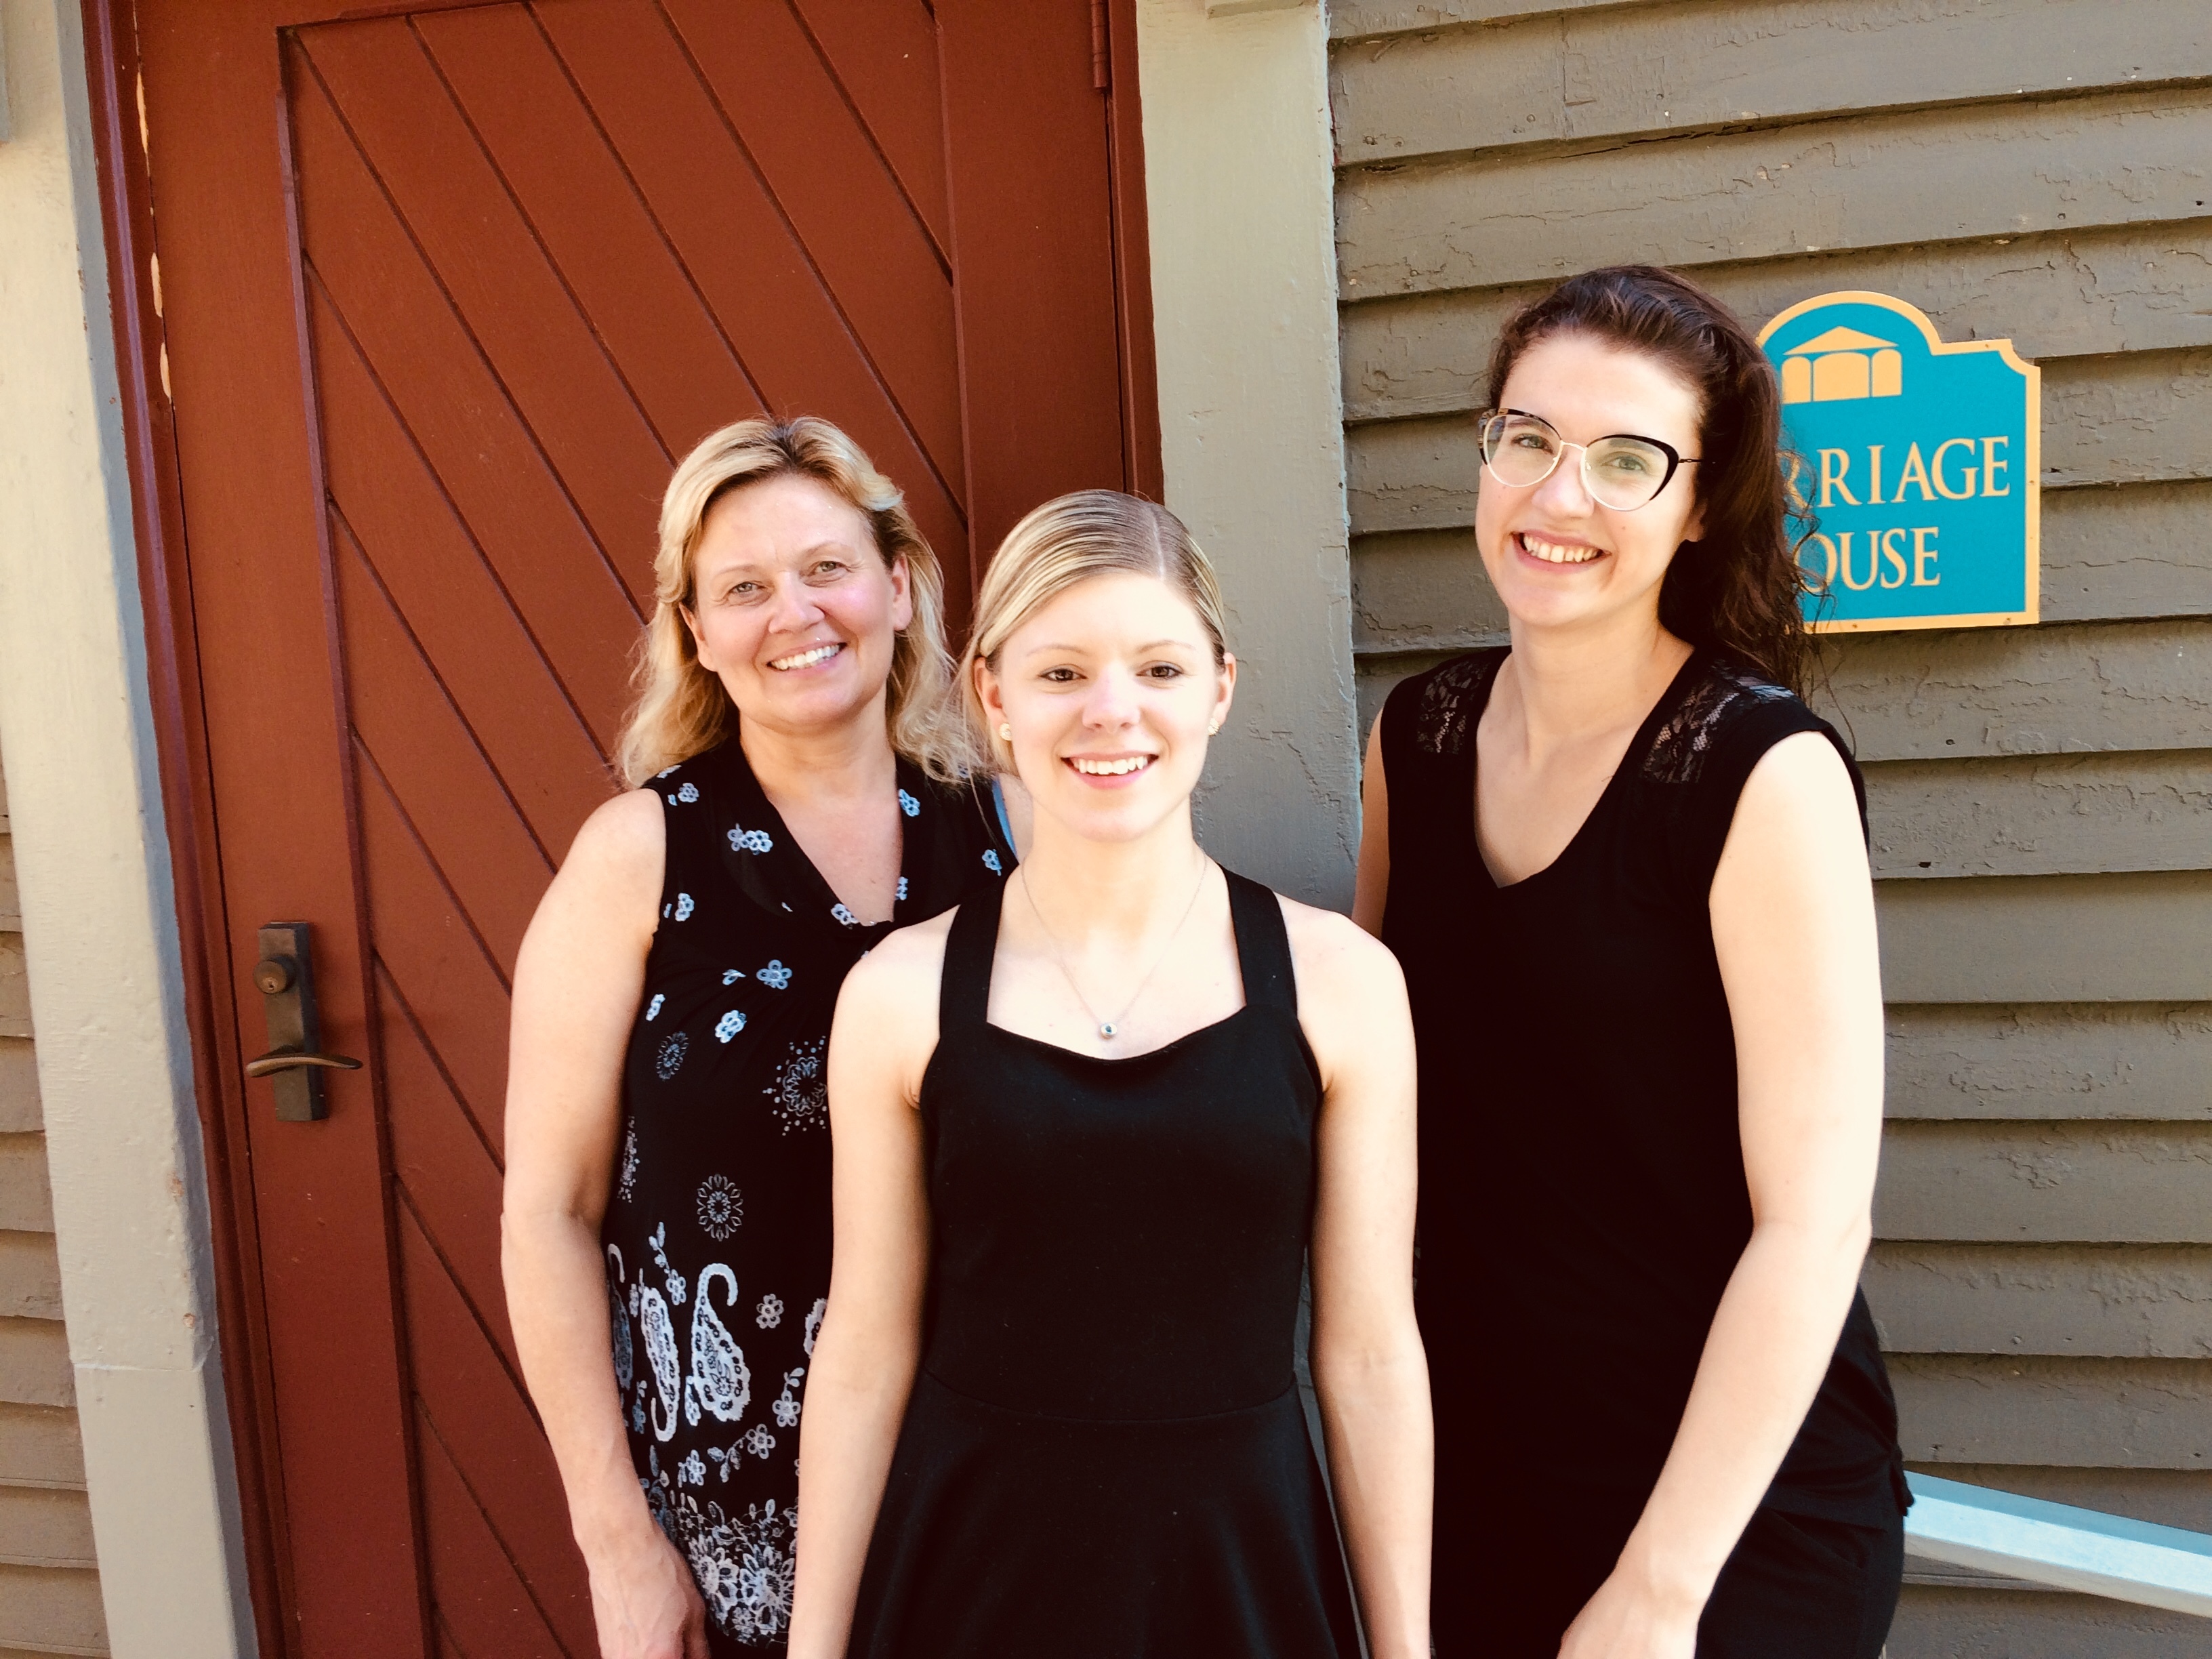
{"x": 285, "y": 976}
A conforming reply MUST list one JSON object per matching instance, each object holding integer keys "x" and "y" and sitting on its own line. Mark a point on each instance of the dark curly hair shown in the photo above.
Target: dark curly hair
{"x": 1738, "y": 588}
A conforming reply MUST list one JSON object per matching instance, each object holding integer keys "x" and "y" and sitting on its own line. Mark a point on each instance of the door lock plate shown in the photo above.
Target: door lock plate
{"x": 285, "y": 976}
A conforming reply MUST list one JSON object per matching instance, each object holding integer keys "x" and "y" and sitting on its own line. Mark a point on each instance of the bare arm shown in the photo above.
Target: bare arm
{"x": 1373, "y": 891}
{"x": 1368, "y": 1364}
{"x": 576, "y": 987}
{"x": 1793, "y": 924}
{"x": 870, "y": 1337}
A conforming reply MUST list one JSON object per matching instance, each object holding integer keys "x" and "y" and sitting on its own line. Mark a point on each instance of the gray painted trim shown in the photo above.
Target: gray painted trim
{"x": 1238, "y": 188}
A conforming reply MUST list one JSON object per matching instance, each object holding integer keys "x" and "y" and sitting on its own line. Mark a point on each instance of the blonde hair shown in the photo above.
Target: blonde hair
{"x": 680, "y": 708}
{"x": 1093, "y": 532}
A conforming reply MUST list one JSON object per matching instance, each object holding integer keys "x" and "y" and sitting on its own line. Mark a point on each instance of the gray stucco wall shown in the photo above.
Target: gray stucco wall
{"x": 2042, "y": 798}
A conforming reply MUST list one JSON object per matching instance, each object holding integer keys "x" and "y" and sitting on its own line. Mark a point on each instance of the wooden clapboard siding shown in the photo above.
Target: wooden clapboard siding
{"x": 2120, "y": 1301}
{"x": 2042, "y": 815}
{"x": 2109, "y": 1182}
{"x": 1545, "y": 80}
{"x": 49, "y": 1579}
{"x": 2066, "y": 293}
{"x": 2040, "y": 798}
{"x": 2002, "y": 169}
{"x": 2131, "y": 419}
{"x": 2025, "y": 1062}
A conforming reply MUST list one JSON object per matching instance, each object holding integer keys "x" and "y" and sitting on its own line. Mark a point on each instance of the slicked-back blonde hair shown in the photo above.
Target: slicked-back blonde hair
{"x": 1093, "y": 532}
{"x": 681, "y": 708}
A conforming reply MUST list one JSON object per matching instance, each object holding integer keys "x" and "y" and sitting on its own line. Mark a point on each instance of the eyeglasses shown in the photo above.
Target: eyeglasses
{"x": 1621, "y": 471}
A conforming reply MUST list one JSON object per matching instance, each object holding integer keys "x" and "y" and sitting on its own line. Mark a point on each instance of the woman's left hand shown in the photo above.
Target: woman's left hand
{"x": 1628, "y": 1620}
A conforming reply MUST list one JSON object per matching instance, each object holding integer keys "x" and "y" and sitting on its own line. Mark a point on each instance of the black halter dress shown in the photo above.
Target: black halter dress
{"x": 1104, "y": 1453}
{"x": 717, "y": 1232}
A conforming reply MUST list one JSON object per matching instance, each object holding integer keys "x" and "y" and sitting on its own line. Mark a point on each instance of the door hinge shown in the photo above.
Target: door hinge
{"x": 1101, "y": 70}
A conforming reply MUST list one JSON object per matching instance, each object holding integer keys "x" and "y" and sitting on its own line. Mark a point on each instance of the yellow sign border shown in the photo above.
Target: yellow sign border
{"x": 2031, "y": 392}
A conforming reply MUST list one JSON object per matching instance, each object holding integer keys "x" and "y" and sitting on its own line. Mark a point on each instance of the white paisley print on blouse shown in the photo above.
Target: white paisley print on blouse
{"x": 843, "y": 917}
{"x": 729, "y": 1025}
{"x": 618, "y": 1321}
{"x": 775, "y": 976}
{"x": 684, "y": 907}
{"x": 908, "y": 805}
{"x": 799, "y": 1095}
{"x": 770, "y": 1314}
{"x": 660, "y": 1350}
{"x": 742, "y": 840}
{"x": 720, "y": 1383}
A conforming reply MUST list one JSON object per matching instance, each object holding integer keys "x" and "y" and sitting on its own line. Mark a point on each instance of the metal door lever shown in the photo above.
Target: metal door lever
{"x": 284, "y": 1060}
{"x": 285, "y": 977}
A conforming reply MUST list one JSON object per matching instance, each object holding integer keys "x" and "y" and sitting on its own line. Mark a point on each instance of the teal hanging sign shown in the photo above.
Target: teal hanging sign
{"x": 1920, "y": 463}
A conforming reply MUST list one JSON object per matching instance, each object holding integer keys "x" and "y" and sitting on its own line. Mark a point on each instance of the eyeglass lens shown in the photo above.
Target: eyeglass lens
{"x": 1521, "y": 450}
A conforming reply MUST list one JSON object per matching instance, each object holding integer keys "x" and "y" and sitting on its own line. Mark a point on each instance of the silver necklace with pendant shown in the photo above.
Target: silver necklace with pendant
{"x": 1112, "y": 1028}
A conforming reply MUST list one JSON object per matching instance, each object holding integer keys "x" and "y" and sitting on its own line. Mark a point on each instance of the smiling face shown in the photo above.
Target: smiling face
{"x": 1559, "y": 559}
{"x": 794, "y": 607}
{"x": 1109, "y": 686}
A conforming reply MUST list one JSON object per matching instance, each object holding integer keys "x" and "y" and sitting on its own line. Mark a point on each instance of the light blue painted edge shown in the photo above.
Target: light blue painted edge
{"x": 2059, "y": 1546}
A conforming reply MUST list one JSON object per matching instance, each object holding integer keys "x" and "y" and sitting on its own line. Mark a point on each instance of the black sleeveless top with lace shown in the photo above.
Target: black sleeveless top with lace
{"x": 717, "y": 1232}
{"x": 1583, "y": 1199}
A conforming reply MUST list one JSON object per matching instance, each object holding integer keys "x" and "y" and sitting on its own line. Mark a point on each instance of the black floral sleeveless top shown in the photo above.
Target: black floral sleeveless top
{"x": 718, "y": 1232}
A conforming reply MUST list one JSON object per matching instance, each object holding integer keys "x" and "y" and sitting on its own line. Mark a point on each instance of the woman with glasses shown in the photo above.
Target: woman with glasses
{"x": 1623, "y": 865}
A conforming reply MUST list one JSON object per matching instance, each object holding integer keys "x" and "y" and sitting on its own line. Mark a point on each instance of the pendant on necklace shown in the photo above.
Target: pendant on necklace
{"x": 1107, "y": 1027}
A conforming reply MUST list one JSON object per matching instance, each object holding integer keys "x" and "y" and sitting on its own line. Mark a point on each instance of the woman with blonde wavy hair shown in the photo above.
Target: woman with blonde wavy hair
{"x": 1094, "y": 1130}
{"x": 797, "y": 789}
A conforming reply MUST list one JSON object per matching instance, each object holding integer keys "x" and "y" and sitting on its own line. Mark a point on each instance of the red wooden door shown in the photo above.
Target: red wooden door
{"x": 443, "y": 292}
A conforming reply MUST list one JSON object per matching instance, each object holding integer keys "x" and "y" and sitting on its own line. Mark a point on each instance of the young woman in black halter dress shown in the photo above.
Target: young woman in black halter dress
{"x": 1623, "y": 865}
{"x": 1086, "y": 1134}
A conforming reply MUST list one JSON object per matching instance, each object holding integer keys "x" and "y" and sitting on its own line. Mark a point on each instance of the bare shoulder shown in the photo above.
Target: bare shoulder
{"x": 900, "y": 975}
{"x": 1801, "y": 781}
{"x": 624, "y": 840}
{"x": 1337, "y": 958}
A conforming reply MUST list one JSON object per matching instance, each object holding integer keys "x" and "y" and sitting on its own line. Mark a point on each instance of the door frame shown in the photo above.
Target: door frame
{"x": 175, "y": 684}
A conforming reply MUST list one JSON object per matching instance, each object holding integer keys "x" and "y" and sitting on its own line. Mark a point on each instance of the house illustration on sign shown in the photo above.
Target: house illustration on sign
{"x": 1841, "y": 365}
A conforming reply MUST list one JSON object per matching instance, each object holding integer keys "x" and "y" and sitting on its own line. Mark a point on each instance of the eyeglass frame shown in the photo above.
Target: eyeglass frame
{"x": 1675, "y": 459}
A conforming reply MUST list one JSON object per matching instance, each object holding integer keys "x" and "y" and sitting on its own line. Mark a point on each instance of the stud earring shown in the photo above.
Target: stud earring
{"x": 1006, "y": 732}
{"x": 1213, "y": 729}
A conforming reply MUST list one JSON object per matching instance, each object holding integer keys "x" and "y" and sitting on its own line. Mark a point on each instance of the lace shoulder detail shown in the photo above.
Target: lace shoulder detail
{"x": 1678, "y": 752}
{"x": 1444, "y": 723}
